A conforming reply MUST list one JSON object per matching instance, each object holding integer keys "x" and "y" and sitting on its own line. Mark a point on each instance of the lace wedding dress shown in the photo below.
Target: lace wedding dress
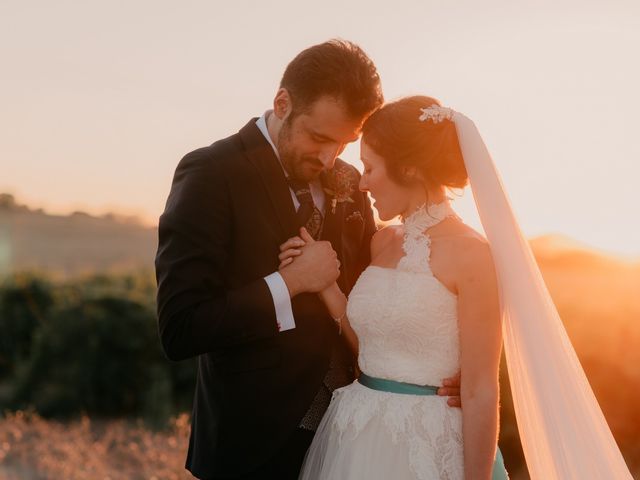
{"x": 406, "y": 323}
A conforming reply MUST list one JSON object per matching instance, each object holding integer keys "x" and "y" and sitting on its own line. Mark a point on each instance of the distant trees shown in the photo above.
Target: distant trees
{"x": 8, "y": 202}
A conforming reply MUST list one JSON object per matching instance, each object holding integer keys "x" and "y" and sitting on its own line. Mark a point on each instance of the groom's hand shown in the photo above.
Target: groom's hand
{"x": 451, "y": 388}
{"x": 315, "y": 268}
{"x": 289, "y": 250}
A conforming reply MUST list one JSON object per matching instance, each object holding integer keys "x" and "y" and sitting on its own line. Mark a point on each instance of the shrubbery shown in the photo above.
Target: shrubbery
{"x": 24, "y": 304}
{"x": 87, "y": 346}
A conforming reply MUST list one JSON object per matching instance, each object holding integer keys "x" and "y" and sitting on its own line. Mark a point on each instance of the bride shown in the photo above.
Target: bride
{"x": 436, "y": 300}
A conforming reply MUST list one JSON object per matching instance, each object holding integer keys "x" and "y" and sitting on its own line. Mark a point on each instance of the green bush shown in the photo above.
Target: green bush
{"x": 25, "y": 302}
{"x": 94, "y": 356}
{"x": 93, "y": 347}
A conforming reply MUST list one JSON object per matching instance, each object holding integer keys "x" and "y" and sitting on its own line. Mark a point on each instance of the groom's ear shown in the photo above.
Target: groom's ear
{"x": 282, "y": 106}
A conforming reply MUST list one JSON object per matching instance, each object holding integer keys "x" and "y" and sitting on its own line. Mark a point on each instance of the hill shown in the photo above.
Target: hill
{"x": 68, "y": 245}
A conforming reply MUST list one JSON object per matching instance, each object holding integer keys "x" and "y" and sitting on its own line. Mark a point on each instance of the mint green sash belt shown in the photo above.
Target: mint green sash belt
{"x": 385, "y": 385}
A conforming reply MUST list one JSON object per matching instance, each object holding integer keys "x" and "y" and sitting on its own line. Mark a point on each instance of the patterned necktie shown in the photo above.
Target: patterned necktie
{"x": 308, "y": 215}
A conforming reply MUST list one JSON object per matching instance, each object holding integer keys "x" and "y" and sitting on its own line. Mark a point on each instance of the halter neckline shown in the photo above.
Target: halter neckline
{"x": 427, "y": 216}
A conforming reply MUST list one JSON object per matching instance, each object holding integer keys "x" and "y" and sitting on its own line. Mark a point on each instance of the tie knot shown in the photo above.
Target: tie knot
{"x": 308, "y": 214}
{"x": 301, "y": 189}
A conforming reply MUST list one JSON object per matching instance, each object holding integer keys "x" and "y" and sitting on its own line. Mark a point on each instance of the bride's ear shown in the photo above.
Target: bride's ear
{"x": 412, "y": 174}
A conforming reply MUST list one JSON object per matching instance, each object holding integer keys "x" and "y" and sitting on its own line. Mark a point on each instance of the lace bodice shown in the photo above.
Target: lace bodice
{"x": 404, "y": 317}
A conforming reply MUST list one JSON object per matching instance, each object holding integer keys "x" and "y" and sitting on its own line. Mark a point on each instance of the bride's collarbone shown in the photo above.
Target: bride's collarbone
{"x": 387, "y": 247}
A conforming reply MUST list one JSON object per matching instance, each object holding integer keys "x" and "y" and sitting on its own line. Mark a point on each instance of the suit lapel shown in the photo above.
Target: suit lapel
{"x": 262, "y": 156}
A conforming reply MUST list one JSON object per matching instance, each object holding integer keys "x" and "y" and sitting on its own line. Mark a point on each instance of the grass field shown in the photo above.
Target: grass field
{"x": 32, "y": 448}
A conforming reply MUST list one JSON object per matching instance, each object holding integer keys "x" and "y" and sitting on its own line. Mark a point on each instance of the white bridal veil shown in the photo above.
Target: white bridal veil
{"x": 563, "y": 431}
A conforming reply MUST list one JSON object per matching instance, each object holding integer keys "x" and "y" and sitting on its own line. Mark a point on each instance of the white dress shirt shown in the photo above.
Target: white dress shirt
{"x": 277, "y": 286}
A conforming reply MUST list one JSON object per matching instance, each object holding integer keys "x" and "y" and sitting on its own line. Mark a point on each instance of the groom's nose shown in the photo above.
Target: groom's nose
{"x": 327, "y": 159}
{"x": 329, "y": 154}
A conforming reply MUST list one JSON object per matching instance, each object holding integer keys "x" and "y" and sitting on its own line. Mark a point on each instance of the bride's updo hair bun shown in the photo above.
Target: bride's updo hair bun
{"x": 396, "y": 134}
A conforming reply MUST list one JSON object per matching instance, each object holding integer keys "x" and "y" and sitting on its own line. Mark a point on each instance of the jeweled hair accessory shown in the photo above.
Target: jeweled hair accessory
{"x": 436, "y": 113}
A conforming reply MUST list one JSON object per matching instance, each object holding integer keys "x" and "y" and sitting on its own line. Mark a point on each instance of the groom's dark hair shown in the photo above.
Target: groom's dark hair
{"x": 339, "y": 69}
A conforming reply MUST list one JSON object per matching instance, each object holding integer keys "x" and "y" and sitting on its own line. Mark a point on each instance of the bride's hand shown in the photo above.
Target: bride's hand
{"x": 289, "y": 250}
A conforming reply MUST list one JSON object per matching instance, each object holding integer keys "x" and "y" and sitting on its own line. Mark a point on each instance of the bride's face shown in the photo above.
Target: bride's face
{"x": 390, "y": 199}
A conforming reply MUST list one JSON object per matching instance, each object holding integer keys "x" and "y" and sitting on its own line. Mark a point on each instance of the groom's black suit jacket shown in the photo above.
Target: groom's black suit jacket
{"x": 228, "y": 212}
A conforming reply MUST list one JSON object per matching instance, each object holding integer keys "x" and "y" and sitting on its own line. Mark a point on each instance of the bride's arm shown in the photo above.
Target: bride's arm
{"x": 480, "y": 348}
{"x": 333, "y": 298}
{"x": 336, "y": 303}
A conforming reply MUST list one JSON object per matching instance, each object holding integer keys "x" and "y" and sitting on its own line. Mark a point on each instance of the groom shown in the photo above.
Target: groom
{"x": 269, "y": 354}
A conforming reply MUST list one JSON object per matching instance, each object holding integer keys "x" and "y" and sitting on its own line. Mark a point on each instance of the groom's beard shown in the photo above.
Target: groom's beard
{"x": 302, "y": 167}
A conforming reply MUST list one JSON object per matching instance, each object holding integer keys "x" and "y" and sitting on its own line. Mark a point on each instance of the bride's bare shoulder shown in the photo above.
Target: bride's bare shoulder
{"x": 453, "y": 228}
{"x": 462, "y": 242}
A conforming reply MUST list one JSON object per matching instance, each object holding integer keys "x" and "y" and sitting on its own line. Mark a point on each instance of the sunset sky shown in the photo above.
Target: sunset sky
{"x": 100, "y": 100}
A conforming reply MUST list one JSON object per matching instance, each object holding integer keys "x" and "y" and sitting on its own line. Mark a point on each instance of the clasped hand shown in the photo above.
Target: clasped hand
{"x": 316, "y": 265}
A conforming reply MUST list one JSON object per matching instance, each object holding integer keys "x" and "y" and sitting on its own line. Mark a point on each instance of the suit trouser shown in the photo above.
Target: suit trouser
{"x": 286, "y": 463}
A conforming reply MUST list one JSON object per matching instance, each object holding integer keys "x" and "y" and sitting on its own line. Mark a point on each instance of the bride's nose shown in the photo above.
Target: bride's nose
{"x": 362, "y": 185}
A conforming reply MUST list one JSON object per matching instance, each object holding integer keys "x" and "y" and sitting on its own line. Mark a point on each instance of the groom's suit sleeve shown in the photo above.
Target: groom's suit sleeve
{"x": 196, "y": 312}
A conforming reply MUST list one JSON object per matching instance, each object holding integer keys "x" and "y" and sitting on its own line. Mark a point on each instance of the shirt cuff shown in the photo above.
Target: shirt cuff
{"x": 281, "y": 300}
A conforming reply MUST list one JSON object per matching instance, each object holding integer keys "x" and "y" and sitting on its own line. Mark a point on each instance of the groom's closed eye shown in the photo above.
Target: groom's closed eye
{"x": 321, "y": 138}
